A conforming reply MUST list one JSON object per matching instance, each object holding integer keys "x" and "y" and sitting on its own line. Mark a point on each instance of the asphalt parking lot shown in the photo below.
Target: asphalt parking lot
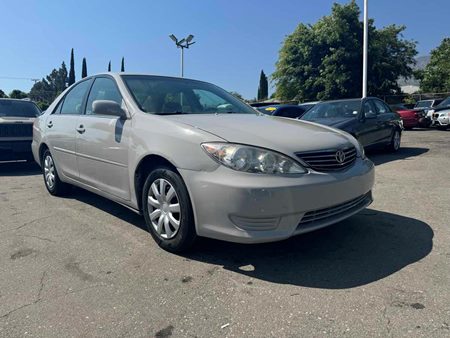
{"x": 83, "y": 266}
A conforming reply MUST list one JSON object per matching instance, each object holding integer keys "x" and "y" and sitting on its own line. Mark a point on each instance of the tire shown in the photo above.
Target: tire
{"x": 163, "y": 190}
{"x": 394, "y": 145}
{"x": 51, "y": 178}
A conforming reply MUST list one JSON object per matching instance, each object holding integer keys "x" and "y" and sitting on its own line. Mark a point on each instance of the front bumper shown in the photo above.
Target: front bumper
{"x": 442, "y": 121}
{"x": 15, "y": 150}
{"x": 250, "y": 208}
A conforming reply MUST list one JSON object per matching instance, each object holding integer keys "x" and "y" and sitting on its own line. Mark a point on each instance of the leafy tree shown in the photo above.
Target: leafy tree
{"x": 263, "y": 89}
{"x": 50, "y": 87}
{"x": 84, "y": 69}
{"x": 122, "y": 65}
{"x": 436, "y": 75}
{"x": 18, "y": 94}
{"x": 109, "y": 66}
{"x": 2, "y": 94}
{"x": 72, "y": 69}
{"x": 237, "y": 95}
{"x": 324, "y": 60}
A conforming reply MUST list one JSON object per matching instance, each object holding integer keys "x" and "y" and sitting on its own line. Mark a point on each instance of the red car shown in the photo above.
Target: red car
{"x": 410, "y": 117}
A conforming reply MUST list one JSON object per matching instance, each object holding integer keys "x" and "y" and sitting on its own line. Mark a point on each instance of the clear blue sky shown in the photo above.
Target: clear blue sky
{"x": 235, "y": 38}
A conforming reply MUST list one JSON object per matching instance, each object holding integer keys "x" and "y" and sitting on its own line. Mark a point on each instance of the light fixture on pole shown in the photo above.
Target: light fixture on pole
{"x": 183, "y": 43}
{"x": 365, "y": 48}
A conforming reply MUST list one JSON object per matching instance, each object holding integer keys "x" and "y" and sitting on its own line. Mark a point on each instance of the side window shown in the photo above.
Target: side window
{"x": 380, "y": 107}
{"x": 57, "y": 110}
{"x": 103, "y": 89}
{"x": 73, "y": 102}
{"x": 368, "y": 108}
{"x": 290, "y": 112}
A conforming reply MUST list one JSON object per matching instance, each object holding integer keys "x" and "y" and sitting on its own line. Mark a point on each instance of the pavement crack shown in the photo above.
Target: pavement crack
{"x": 38, "y": 237}
{"x": 37, "y": 299}
{"x": 26, "y": 224}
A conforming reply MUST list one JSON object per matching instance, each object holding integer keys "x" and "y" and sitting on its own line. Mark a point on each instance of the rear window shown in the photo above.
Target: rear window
{"x": 15, "y": 108}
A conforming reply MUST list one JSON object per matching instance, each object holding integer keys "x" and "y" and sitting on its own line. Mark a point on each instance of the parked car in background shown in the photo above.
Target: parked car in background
{"x": 283, "y": 110}
{"x": 440, "y": 114}
{"x": 196, "y": 161}
{"x": 427, "y": 104}
{"x": 16, "y": 128}
{"x": 369, "y": 120}
{"x": 308, "y": 105}
{"x": 410, "y": 117}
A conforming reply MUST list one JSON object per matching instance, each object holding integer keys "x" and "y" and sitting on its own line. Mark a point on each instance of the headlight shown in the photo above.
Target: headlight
{"x": 252, "y": 160}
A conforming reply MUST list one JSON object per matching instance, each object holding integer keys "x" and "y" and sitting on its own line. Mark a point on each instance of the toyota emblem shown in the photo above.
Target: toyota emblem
{"x": 340, "y": 156}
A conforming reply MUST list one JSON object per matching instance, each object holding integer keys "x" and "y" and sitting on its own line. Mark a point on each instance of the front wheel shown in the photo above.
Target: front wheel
{"x": 394, "y": 145}
{"x": 168, "y": 211}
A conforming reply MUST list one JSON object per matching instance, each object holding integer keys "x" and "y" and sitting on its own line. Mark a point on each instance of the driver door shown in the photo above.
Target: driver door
{"x": 367, "y": 127}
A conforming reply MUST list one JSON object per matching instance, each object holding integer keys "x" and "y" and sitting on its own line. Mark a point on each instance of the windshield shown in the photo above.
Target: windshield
{"x": 423, "y": 104}
{"x": 444, "y": 103}
{"x": 18, "y": 108}
{"x": 337, "y": 109}
{"x": 165, "y": 96}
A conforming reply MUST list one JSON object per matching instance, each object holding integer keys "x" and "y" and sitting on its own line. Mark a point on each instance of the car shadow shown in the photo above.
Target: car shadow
{"x": 107, "y": 206}
{"x": 360, "y": 250}
{"x": 19, "y": 168}
{"x": 379, "y": 157}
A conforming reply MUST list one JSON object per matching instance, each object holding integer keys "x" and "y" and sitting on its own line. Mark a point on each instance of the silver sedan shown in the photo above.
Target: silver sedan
{"x": 195, "y": 161}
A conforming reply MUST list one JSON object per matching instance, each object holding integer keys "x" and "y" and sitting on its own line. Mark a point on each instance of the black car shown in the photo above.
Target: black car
{"x": 370, "y": 120}
{"x": 16, "y": 129}
{"x": 283, "y": 110}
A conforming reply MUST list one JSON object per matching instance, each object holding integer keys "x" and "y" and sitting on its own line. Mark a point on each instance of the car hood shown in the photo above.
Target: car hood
{"x": 16, "y": 119}
{"x": 336, "y": 122}
{"x": 277, "y": 133}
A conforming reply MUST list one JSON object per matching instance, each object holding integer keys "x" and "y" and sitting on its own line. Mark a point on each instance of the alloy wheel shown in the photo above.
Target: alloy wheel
{"x": 397, "y": 140}
{"x": 164, "y": 208}
{"x": 49, "y": 172}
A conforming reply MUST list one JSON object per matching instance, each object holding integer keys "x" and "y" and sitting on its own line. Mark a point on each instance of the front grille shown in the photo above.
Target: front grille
{"x": 317, "y": 217}
{"x": 328, "y": 160}
{"x": 16, "y": 130}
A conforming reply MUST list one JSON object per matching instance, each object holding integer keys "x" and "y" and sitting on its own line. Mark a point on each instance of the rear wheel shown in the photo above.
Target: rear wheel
{"x": 51, "y": 179}
{"x": 168, "y": 211}
{"x": 394, "y": 145}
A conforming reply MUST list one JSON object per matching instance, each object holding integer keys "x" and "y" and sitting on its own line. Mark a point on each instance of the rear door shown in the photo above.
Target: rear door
{"x": 61, "y": 129}
{"x": 102, "y": 143}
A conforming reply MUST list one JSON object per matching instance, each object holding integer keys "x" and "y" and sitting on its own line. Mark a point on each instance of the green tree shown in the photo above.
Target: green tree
{"x": 263, "y": 88}
{"x": 122, "y": 65}
{"x": 84, "y": 69}
{"x": 2, "y": 94}
{"x": 72, "y": 69}
{"x": 237, "y": 95}
{"x": 46, "y": 90}
{"x": 324, "y": 60}
{"x": 436, "y": 75}
{"x": 109, "y": 66}
{"x": 18, "y": 94}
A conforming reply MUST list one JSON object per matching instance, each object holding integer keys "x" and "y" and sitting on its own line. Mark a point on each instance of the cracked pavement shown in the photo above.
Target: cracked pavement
{"x": 83, "y": 266}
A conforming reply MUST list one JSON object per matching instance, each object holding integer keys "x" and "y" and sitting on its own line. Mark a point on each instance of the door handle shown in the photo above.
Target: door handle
{"x": 50, "y": 124}
{"x": 81, "y": 129}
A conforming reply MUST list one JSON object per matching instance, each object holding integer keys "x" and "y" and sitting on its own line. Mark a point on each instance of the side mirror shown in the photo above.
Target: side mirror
{"x": 107, "y": 107}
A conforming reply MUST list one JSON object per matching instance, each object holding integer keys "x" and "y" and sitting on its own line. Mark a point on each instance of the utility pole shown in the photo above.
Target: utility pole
{"x": 365, "y": 48}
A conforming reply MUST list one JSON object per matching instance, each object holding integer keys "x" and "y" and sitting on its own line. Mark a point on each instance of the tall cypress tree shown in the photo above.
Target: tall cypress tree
{"x": 122, "y": 66}
{"x": 84, "y": 69}
{"x": 109, "y": 66}
{"x": 72, "y": 69}
{"x": 263, "y": 88}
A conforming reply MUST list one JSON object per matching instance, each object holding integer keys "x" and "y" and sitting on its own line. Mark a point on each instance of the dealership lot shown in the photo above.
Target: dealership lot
{"x": 84, "y": 266}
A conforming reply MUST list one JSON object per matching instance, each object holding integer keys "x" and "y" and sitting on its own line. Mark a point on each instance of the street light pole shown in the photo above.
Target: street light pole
{"x": 183, "y": 43}
{"x": 365, "y": 48}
